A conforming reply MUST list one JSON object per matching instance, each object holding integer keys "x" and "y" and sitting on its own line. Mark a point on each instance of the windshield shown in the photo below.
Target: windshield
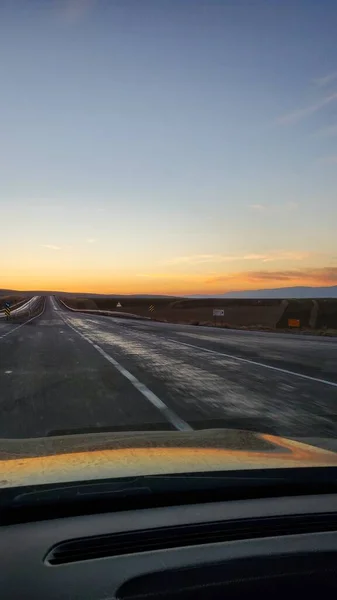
{"x": 168, "y": 293}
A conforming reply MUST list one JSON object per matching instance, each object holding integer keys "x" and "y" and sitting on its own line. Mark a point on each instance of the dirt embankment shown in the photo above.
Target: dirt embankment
{"x": 318, "y": 316}
{"x": 327, "y": 314}
{"x": 314, "y": 316}
{"x": 240, "y": 313}
{"x": 262, "y": 313}
{"x": 13, "y": 301}
{"x": 299, "y": 310}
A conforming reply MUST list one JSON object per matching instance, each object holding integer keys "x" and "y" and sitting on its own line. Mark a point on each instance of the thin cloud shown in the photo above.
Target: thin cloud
{"x": 74, "y": 10}
{"x": 197, "y": 259}
{"x": 328, "y": 131}
{"x": 162, "y": 275}
{"x": 287, "y": 206}
{"x": 295, "y": 256}
{"x": 291, "y": 205}
{"x": 253, "y": 257}
{"x": 326, "y": 80}
{"x": 328, "y": 160}
{"x": 258, "y": 207}
{"x": 324, "y": 275}
{"x": 302, "y": 113}
{"x": 90, "y": 240}
{"x": 51, "y": 246}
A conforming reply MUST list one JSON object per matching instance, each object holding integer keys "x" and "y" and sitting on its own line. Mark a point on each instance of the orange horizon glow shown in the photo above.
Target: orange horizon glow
{"x": 175, "y": 285}
{"x": 142, "y": 168}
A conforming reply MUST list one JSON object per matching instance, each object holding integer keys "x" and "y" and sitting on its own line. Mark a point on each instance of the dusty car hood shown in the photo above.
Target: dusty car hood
{"x": 99, "y": 456}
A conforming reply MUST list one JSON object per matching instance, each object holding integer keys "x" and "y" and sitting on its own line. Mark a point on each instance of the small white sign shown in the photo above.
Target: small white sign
{"x": 118, "y": 305}
{"x": 218, "y": 312}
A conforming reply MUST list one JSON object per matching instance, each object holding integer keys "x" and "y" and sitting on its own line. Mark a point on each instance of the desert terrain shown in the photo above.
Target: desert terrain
{"x": 313, "y": 315}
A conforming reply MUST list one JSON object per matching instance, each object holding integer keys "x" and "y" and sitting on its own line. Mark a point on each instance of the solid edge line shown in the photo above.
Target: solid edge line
{"x": 169, "y": 414}
{"x": 25, "y": 323}
{"x": 257, "y": 364}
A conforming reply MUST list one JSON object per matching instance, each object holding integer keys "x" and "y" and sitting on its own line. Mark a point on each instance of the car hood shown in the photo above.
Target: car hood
{"x": 100, "y": 456}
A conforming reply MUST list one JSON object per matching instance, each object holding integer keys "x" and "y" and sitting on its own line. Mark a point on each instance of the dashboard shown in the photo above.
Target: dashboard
{"x": 232, "y": 549}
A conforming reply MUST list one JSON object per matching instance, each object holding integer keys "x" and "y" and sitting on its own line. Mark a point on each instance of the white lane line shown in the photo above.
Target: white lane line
{"x": 25, "y": 323}
{"x": 257, "y": 364}
{"x": 169, "y": 414}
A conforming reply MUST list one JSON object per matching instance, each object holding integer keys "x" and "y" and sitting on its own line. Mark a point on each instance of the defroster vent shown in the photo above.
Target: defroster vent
{"x": 149, "y": 540}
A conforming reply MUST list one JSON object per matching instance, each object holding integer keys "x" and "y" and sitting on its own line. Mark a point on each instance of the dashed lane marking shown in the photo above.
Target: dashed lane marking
{"x": 169, "y": 414}
{"x": 257, "y": 364}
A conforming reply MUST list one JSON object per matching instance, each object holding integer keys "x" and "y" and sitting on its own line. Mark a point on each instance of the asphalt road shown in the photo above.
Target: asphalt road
{"x": 65, "y": 372}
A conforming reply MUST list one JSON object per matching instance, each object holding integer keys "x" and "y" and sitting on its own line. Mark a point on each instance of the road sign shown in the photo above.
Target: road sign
{"x": 151, "y": 308}
{"x": 218, "y": 312}
{"x": 7, "y": 304}
{"x": 7, "y": 311}
{"x": 118, "y": 305}
{"x": 294, "y": 323}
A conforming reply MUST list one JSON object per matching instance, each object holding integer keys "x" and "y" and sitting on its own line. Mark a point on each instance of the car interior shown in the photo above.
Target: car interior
{"x": 134, "y": 547}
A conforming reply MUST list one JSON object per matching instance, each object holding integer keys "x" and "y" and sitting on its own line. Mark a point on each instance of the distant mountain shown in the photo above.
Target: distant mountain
{"x": 280, "y": 293}
{"x": 84, "y": 294}
{"x": 276, "y": 293}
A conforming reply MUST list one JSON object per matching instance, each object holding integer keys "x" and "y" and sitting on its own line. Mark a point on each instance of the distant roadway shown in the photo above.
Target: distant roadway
{"x": 65, "y": 372}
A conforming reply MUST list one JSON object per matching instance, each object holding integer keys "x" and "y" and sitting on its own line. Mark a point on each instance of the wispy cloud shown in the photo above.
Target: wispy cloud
{"x": 294, "y": 256}
{"x": 328, "y": 160}
{"x": 326, "y": 80}
{"x": 164, "y": 276}
{"x": 328, "y": 131}
{"x": 90, "y": 240}
{"x": 51, "y": 246}
{"x": 74, "y": 10}
{"x": 324, "y": 275}
{"x": 197, "y": 259}
{"x": 302, "y": 113}
{"x": 291, "y": 205}
{"x": 287, "y": 206}
{"x": 258, "y": 207}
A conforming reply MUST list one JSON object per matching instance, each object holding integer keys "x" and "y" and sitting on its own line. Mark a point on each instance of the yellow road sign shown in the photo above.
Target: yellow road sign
{"x": 151, "y": 307}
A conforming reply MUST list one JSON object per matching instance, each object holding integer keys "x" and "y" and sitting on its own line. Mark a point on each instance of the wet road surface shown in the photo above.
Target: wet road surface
{"x": 70, "y": 372}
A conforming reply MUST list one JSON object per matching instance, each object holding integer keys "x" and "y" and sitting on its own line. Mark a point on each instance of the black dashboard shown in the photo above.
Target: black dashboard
{"x": 232, "y": 549}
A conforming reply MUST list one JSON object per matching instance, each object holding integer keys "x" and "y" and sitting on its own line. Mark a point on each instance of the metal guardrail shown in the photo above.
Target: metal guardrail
{"x": 104, "y": 313}
{"x": 27, "y": 308}
{"x": 15, "y": 306}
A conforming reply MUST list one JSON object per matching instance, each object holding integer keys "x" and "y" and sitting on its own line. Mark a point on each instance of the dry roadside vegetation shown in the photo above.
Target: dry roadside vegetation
{"x": 13, "y": 300}
{"x": 315, "y": 316}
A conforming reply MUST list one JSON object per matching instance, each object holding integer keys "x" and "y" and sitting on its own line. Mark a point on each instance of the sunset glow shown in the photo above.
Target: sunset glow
{"x": 154, "y": 154}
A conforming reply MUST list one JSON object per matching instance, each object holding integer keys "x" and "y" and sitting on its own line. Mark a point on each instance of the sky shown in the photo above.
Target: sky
{"x": 168, "y": 146}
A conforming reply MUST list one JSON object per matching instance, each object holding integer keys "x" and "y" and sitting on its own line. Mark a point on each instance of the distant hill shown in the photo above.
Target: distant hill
{"x": 82, "y": 294}
{"x": 280, "y": 293}
{"x": 276, "y": 293}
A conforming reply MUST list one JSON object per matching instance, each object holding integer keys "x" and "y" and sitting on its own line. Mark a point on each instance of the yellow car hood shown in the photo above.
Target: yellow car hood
{"x": 100, "y": 456}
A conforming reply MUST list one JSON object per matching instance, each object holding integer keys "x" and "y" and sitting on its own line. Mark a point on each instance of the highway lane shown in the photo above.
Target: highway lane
{"x": 77, "y": 372}
{"x": 307, "y": 354}
{"x": 51, "y": 380}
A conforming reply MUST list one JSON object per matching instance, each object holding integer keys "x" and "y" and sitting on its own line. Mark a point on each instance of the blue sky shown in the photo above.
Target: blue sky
{"x": 168, "y": 145}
